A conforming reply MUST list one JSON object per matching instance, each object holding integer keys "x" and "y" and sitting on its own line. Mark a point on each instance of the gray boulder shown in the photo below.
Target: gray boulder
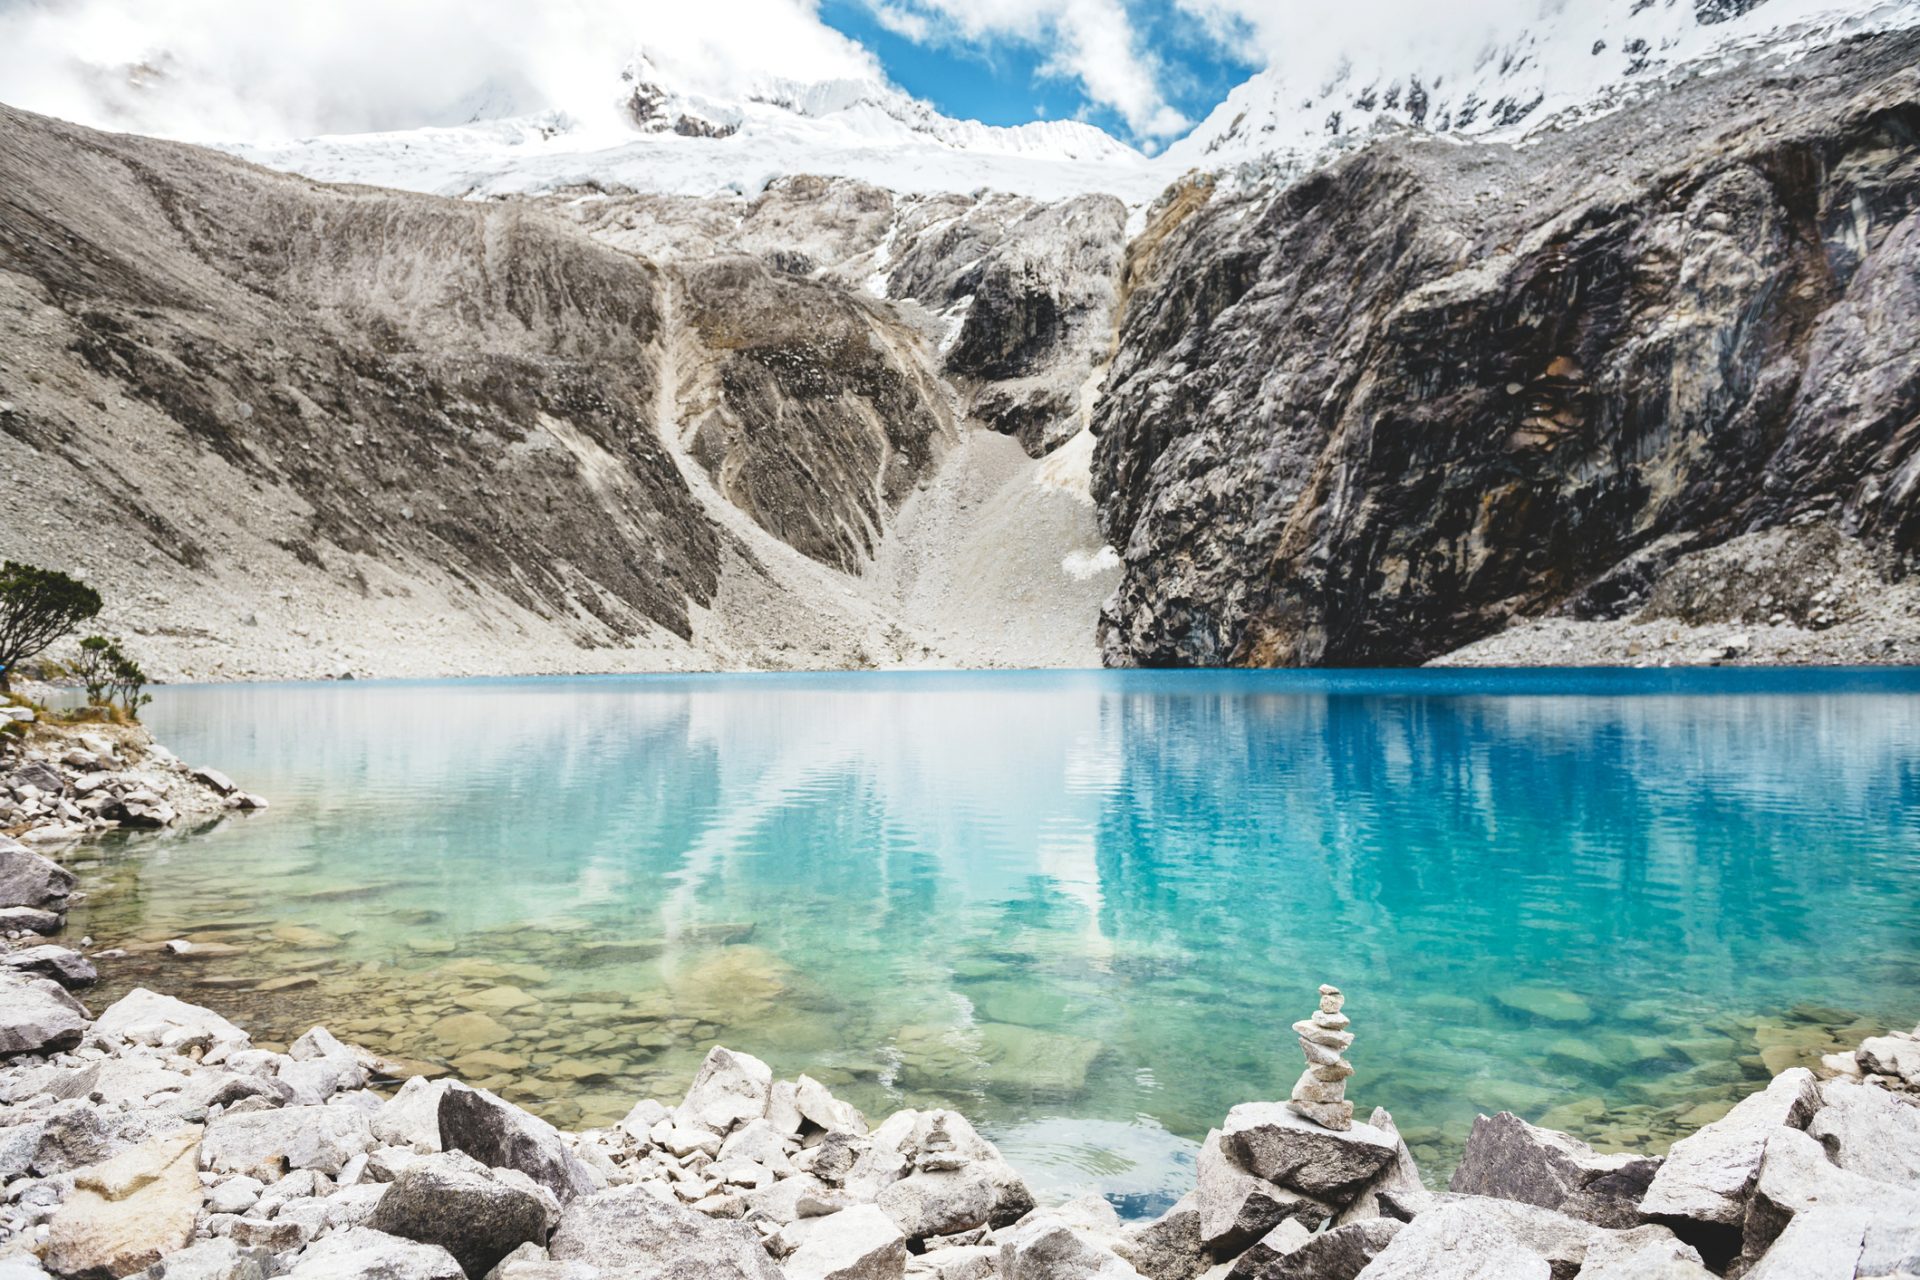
{"x": 861, "y": 1243}
{"x": 730, "y": 1089}
{"x": 629, "y": 1233}
{"x": 1396, "y": 1191}
{"x": 1508, "y": 1158}
{"x": 30, "y": 920}
{"x": 1169, "y": 1247}
{"x": 216, "y": 1259}
{"x": 501, "y": 1135}
{"x": 1236, "y": 1208}
{"x": 1796, "y": 1176}
{"x": 1642, "y": 1253}
{"x": 454, "y": 1201}
{"x": 1867, "y": 1130}
{"x": 1456, "y": 1242}
{"x": 1340, "y": 1253}
{"x": 65, "y": 966}
{"x": 940, "y": 1203}
{"x": 360, "y": 1253}
{"x": 1842, "y": 1243}
{"x": 1708, "y": 1177}
{"x": 37, "y": 1016}
{"x": 411, "y": 1117}
{"x": 146, "y": 1017}
{"x": 1270, "y": 1141}
{"x": 268, "y": 1145}
{"x": 29, "y": 880}
{"x": 1896, "y": 1055}
{"x": 1060, "y": 1244}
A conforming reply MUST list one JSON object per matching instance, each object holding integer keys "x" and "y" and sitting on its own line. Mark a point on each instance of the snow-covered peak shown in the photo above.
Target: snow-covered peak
{"x": 1575, "y": 57}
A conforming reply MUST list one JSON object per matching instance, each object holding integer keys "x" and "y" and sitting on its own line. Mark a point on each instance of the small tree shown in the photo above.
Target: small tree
{"x": 37, "y": 607}
{"x": 129, "y": 682}
{"x": 95, "y": 667}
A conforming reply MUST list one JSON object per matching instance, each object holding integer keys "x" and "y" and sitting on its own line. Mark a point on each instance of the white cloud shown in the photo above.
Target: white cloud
{"x": 1309, "y": 36}
{"x": 258, "y": 69}
{"x": 1092, "y": 42}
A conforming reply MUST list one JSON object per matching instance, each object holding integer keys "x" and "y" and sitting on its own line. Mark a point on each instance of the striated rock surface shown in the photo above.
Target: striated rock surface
{"x": 1385, "y": 410}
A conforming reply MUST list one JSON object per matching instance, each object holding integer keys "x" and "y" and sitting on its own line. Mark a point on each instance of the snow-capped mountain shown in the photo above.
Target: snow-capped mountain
{"x": 656, "y": 136}
{"x": 1576, "y": 58}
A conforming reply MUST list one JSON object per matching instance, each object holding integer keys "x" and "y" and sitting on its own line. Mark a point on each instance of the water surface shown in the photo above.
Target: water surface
{"x": 1084, "y": 908}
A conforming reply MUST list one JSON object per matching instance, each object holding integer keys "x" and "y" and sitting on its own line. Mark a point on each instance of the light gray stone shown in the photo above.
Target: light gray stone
{"x": 1338, "y": 1253}
{"x": 939, "y": 1203}
{"x": 861, "y": 1243}
{"x": 1795, "y": 1176}
{"x": 1056, "y": 1244}
{"x": 1867, "y": 1130}
{"x": 1513, "y": 1160}
{"x": 65, "y": 966}
{"x": 1270, "y": 1141}
{"x": 1170, "y": 1247}
{"x": 217, "y": 1259}
{"x": 360, "y": 1253}
{"x": 411, "y": 1117}
{"x": 269, "y": 1144}
{"x": 1708, "y": 1177}
{"x": 1892, "y": 1055}
{"x": 1455, "y": 1242}
{"x": 146, "y": 1017}
{"x": 29, "y": 880}
{"x": 730, "y": 1089}
{"x": 37, "y": 1015}
{"x": 1238, "y": 1208}
{"x": 629, "y": 1232}
{"x": 1642, "y": 1253}
{"x": 452, "y": 1200}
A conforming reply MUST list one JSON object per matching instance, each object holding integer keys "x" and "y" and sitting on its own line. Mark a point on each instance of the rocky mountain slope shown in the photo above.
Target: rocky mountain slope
{"x": 290, "y": 428}
{"x": 1430, "y": 390}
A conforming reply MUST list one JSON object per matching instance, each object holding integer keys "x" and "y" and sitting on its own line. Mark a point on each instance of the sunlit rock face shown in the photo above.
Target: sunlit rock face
{"x": 1377, "y": 413}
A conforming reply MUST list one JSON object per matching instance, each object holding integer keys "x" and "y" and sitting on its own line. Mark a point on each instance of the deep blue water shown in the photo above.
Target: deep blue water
{"x": 1083, "y": 907}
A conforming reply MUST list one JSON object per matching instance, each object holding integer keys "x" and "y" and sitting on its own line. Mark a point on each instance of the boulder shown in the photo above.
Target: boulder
{"x": 1841, "y": 1243}
{"x": 146, "y": 1017}
{"x": 128, "y": 1212}
{"x": 1642, "y": 1253}
{"x": 267, "y": 1145}
{"x": 1892, "y": 1055}
{"x": 1795, "y": 1176}
{"x": 966, "y": 1262}
{"x": 501, "y": 1135}
{"x": 730, "y": 1089}
{"x": 821, "y": 1109}
{"x": 1559, "y": 1238}
{"x": 940, "y": 1203}
{"x": 1236, "y": 1208}
{"x": 1396, "y": 1191}
{"x": 1708, "y": 1176}
{"x": 1867, "y": 1130}
{"x": 37, "y": 1015}
{"x": 411, "y": 1117}
{"x": 30, "y": 920}
{"x": 1170, "y": 1247}
{"x": 1270, "y": 1141}
{"x": 629, "y": 1232}
{"x": 29, "y": 880}
{"x": 216, "y": 1259}
{"x": 1508, "y": 1158}
{"x": 67, "y": 967}
{"x": 861, "y": 1243}
{"x": 452, "y": 1200}
{"x": 1455, "y": 1242}
{"x": 360, "y": 1253}
{"x": 1055, "y": 1244}
{"x": 801, "y": 1196}
{"x": 1339, "y": 1253}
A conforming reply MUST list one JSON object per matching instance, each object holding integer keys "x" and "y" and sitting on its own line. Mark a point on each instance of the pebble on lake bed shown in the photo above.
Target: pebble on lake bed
{"x": 1321, "y": 1092}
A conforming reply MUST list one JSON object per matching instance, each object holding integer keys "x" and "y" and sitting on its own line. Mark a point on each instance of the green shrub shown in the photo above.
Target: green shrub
{"x": 38, "y": 607}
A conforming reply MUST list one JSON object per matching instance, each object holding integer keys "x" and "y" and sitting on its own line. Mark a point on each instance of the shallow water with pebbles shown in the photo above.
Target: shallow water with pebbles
{"x": 1082, "y": 908}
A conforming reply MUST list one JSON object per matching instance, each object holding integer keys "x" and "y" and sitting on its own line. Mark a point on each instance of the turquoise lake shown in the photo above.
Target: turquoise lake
{"x": 1083, "y": 908}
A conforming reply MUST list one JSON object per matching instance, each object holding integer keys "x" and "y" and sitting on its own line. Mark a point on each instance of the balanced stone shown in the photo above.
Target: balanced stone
{"x": 1321, "y": 1092}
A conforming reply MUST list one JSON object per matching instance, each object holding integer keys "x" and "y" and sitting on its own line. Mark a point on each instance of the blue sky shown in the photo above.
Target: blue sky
{"x": 1002, "y": 79}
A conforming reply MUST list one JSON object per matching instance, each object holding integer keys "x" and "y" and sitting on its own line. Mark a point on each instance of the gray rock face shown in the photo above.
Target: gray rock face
{"x": 1511, "y": 1159}
{"x": 363, "y": 1254}
{"x": 146, "y": 1017}
{"x": 1897, "y": 1056}
{"x": 1455, "y": 1242}
{"x": 860, "y": 1243}
{"x": 217, "y": 1259}
{"x": 1708, "y": 1177}
{"x": 1270, "y": 1141}
{"x": 1841, "y": 1244}
{"x": 1796, "y": 1176}
{"x": 454, "y": 1201}
{"x": 502, "y": 1136}
{"x": 1312, "y": 456}
{"x": 626, "y": 1232}
{"x": 37, "y": 1016}
{"x": 1642, "y": 1253}
{"x": 29, "y": 880}
{"x": 1052, "y": 1244}
{"x": 939, "y": 1203}
{"x": 1170, "y": 1247}
{"x": 729, "y": 1090}
{"x": 29, "y": 920}
{"x": 1337, "y": 1254}
{"x": 1236, "y": 1207}
{"x": 267, "y": 1145}
{"x": 1868, "y": 1131}
{"x": 68, "y": 968}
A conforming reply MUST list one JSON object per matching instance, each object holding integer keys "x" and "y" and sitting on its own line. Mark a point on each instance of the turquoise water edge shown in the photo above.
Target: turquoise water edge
{"x": 1083, "y": 908}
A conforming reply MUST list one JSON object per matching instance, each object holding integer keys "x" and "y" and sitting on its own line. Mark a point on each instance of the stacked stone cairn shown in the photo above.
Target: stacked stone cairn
{"x": 1321, "y": 1092}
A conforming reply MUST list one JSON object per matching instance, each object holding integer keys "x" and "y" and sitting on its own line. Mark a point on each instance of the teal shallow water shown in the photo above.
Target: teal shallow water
{"x": 1082, "y": 907}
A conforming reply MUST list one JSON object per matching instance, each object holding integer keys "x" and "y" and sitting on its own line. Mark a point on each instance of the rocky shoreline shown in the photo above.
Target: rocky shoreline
{"x": 157, "y": 1139}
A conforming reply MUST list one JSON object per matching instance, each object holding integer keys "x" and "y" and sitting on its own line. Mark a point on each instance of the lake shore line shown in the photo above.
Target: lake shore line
{"x": 158, "y": 1138}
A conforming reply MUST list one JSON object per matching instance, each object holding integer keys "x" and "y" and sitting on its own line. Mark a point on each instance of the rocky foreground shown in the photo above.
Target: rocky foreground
{"x": 157, "y": 1140}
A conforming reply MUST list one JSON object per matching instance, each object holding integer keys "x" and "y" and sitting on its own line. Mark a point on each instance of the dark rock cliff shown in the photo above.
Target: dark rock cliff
{"x": 1378, "y": 413}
